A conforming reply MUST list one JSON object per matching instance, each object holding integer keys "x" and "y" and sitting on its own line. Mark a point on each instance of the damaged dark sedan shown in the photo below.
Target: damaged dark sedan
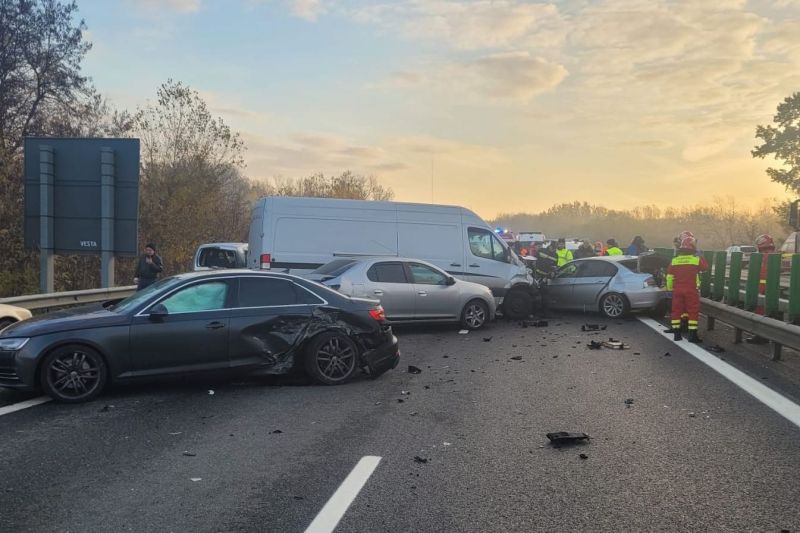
{"x": 255, "y": 322}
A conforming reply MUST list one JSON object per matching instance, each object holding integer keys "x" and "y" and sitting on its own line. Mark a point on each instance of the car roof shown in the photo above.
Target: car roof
{"x": 209, "y": 274}
{"x": 609, "y": 258}
{"x": 224, "y": 244}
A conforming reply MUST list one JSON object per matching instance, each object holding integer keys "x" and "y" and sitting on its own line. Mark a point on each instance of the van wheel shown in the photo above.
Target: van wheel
{"x": 518, "y": 304}
{"x": 614, "y": 305}
{"x": 475, "y": 315}
{"x": 331, "y": 358}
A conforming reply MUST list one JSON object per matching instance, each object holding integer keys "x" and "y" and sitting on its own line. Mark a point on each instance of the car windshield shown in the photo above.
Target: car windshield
{"x": 133, "y": 301}
{"x": 335, "y": 268}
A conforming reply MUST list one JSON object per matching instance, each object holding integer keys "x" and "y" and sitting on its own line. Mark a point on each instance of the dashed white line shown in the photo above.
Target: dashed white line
{"x": 14, "y": 407}
{"x": 775, "y": 401}
{"x": 333, "y": 511}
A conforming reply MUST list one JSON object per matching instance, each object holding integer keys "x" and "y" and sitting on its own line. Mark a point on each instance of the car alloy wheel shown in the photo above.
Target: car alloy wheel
{"x": 73, "y": 374}
{"x": 336, "y": 359}
{"x": 614, "y": 305}
{"x": 475, "y": 315}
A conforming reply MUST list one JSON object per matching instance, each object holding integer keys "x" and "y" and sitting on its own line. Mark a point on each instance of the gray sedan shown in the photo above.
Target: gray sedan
{"x": 410, "y": 290}
{"x": 606, "y": 284}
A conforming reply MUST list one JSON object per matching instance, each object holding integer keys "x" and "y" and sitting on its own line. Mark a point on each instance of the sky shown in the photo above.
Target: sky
{"x": 497, "y": 105}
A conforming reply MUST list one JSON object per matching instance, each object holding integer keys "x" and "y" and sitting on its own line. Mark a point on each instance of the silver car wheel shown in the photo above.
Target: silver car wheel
{"x": 475, "y": 315}
{"x": 613, "y": 305}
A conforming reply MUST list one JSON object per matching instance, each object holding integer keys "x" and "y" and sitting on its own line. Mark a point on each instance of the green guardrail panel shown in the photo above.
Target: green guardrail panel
{"x": 794, "y": 290}
{"x": 720, "y": 267}
{"x": 734, "y": 280}
{"x": 665, "y": 252}
{"x": 705, "y": 277}
{"x": 773, "y": 291}
{"x": 753, "y": 275}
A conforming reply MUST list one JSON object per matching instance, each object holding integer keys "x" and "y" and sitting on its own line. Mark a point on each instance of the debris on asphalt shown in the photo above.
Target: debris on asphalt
{"x": 413, "y": 413}
{"x": 445, "y": 356}
{"x": 463, "y": 332}
{"x": 555, "y": 357}
{"x": 414, "y": 370}
{"x": 176, "y": 433}
{"x": 637, "y": 353}
{"x": 189, "y": 454}
{"x": 447, "y": 444}
{"x": 692, "y": 415}
{"x": 196, "y": 478}
{"x": 487, "y": 339}
{"x": 716, "y": 348}
{"x": 106, "y": 408}
{"x": 277, "y": 431}
{"x": 427, "y": 386}
{"x": 615, "y": 344}
{"x": 418, "y": 459}
{"x": 561, "y": 438}
{"x": 210, "y": 392}
{"x": 593, "y": 327}
{"x": 667, "y": 354}
{"x": 404, "y": 392}
{"x": 628, "y": 402}
{"x": 583, "y": 456}
{"x": 517, "y": 358}
{"x": 541, "y": 324}
{"x": 298, "y": 498}
{"x": 400, "y": 400}
{"x": 594, "y": 345}
{"x": 377, "y": 403}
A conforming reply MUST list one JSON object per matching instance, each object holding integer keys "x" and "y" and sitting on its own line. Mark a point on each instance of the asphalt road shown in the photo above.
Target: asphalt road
{"x": 692, "y": 452}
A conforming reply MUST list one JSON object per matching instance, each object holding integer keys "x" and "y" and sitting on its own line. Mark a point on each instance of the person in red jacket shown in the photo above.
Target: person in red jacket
{"x": 682, "y": 281}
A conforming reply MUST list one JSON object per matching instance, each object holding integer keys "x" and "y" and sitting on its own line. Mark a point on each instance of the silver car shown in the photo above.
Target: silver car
{"x": 611, "y": 285}
{"x": 410, "y": 290}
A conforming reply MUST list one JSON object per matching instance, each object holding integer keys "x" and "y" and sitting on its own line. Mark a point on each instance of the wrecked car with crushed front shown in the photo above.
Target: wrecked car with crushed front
{"x": 255, "y": 322}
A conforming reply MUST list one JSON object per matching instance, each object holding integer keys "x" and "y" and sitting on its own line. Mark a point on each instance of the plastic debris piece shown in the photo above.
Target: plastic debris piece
{"x": 298, "y": 498}
{"x": 716, "y": 348}
{"x": 196, "y": 478}
{"x": 463, "y": 332}
{"x": 414, "y": 370}
{"x": 418, "y": 459}
{"x": 517, "y": 358}
{"x": 106, "y": 408}
{"x": 377, "y": 403}
{"x": 541, "y": 324}
{"x": 590, "y": 327}
{"x": 615, "y": 345}
{"x": 413, "y": 413}
{"x": 628, "y": 402}
{"x": 637, "y": 353}
{"x": 176, "y": 433}
{"x": 427, "y": 386}
{"x": 667, "y": 354}
{"x": 594, "y": 345}
{"x": 400, "y": 400}
{"x": 487, "y": 339}
{"x": 583, "y": 456}
{"x": 210, "y": 392}
{"x": 447, "y": 444}
{"x": 189, "y": 454}
{"x": 692, "y": 415}
{"x": 561, "y": 438}
{"x": 277, "y": 432}
{"x": 404, "y": 392}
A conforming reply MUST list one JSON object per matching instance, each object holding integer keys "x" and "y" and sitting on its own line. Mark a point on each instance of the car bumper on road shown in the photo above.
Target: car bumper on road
{"x": 383, "y": 358}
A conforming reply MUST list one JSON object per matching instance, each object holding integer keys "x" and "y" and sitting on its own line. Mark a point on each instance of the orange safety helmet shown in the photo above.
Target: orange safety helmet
{"x": 765, "y": 242}
{"x": 689, "y": 244}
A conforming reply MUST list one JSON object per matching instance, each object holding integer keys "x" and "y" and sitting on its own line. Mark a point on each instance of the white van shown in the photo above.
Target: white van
{"x": 298, "y": 235}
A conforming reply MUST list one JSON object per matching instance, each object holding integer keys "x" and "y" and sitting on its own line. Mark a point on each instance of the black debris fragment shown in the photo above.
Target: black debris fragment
{"x": 400, "y": 400}
{"x": 565, "y": 438}
{"x": 555, "y": 357}
{"x": 418, "y": 459}
{"x": 594, "y": 345}
{"x": 277, "y": 431}
{"x": 628, "y": 402}
{"x": 189, "y": 454}
{"x": 298, "y": 497}
{"x": 583, "y": 456}
{"x": 487, "y": 339}
{"x": 541, "y": 324}
{"x": 637, "y": 353}
{"x": 716, "y": 348}
{"x": 517, "y": 358}
{"x": 414, "y": 370}
{"x": 667, "y": 354}
{"x": 427, "y": 386}
{"x": 445, "y": 356}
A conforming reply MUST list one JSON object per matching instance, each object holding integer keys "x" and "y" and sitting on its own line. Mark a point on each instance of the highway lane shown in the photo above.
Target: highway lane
{"x": 475, "y": 416}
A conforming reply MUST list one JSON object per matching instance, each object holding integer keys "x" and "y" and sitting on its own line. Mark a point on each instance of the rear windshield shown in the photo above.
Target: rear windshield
{"x": 212, "y": 257}
{"x": 335, "y": 268}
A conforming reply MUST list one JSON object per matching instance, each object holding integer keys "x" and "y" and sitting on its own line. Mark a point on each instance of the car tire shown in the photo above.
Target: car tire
{"x": 73, "y": 374}
{"x": 5, "y": 322}
{"x": 331, "y": 358}
{"x": 518, "y": 304}
{"x": 475, "y": 315}
{"x": 614, "y": 305}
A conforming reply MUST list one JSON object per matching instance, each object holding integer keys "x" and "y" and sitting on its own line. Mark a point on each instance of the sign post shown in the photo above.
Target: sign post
{"x": 46, "y": 181}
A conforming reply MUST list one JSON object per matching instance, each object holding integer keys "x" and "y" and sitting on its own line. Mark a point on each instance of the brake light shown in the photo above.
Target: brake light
{"x": 266, "y": 260}
{"x": 378, "y": 314}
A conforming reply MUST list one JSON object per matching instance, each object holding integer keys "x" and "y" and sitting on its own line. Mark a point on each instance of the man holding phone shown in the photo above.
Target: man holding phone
{"x": 148, "y": 268}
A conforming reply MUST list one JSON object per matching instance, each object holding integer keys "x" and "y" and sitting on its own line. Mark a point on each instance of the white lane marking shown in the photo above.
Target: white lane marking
{"x": 775, "y": 401}
{"x": 23, "y": 405}
{"x": 328, "y": 518}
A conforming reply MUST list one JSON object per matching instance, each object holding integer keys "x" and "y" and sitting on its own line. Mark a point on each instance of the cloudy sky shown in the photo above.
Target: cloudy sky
{"x": 498, "y": 105}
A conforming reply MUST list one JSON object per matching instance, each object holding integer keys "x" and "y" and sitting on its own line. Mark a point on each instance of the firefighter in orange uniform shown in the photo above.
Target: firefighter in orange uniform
{"x": 682, "y": 281}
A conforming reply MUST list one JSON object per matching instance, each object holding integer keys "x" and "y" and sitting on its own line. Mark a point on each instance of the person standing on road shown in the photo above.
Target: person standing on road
{"x": 584, "y": 250}
{"x": 682, "y": 281}
{"x": 637, "y": 246}
{"x": 613, "y": 248}
{"x": 563, "y": 255}
{"x": 148, "y": 268}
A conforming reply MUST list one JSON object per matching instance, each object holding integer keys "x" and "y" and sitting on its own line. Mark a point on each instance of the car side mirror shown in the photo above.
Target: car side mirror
{"x": 158, "y": 312}
{"x": 451, "y": 280}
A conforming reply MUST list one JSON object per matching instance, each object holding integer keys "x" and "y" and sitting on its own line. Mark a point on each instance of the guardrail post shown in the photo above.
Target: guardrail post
{"x": 718, "y": 289}
{"x": 705, "y": 277}
{"x": 753, "y": 275}
{"x": 772, "y": 293}
{"x": 794, "y": 290}
{"x": 776, "y": 350}
{"x": 735, "y": 279}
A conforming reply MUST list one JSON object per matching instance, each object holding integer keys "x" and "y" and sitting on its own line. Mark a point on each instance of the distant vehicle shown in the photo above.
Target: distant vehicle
{"x": 604, "y": 284}
{"x": 220, "y": 255}
{"x": 255, "y": 322}
{"x": 746, "y": 251}
{"x": 527, "y": 237}
{"x": 410, "y": 290}
{"x": 298, "y": 235}
{"x": 9, "y": 314}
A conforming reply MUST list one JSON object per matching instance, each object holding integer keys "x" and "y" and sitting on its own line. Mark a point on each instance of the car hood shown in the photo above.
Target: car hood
{"x": 68, "y": 319}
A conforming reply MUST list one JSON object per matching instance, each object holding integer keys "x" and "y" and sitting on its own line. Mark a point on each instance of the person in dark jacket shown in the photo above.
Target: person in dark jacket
{"x": 584, "y": 250}
{"x": 637, "y": 246}
{"x": 148, "y": 268}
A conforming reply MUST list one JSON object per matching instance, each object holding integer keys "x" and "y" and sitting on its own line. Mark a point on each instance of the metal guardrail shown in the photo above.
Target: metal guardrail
{"x": 779, "y": 333}
{"x": 59, "y": 299}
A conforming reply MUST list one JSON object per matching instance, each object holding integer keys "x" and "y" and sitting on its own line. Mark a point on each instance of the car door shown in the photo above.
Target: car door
{"x": 269, "y": 320}
{"x": 558, "y": 291}
{"x": 192, "y": 335}
{"x": 388, "y": 282}
{"x": 488, "y": 261}
{"x": 591, "y": 280}
{"x": 434, "y": 297}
